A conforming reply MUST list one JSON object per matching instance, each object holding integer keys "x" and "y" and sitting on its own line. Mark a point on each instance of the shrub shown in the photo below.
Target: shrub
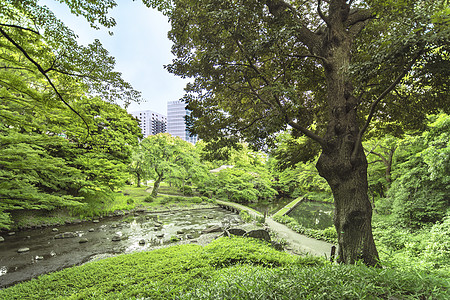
{"x": 196, "y": 200}
{"x": 245, "y": 216}
{"x": 186, "y": 190}
{"x": 149, "y": 199}
{"x": 164, "y": 200}
{"x": 177, "y": 198}
{"x": 330, "y": 233}
{"x": 437, "y": 249}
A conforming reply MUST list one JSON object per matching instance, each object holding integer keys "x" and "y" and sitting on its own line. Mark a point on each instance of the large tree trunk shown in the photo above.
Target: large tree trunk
{"x": 353, "y": 211}
{"x": 343, "y": 162}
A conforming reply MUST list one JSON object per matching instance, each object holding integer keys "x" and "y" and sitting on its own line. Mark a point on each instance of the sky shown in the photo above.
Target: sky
{"x": 140, "y": 46}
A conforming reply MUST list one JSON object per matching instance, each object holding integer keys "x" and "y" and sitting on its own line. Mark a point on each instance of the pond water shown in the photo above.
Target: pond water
{"x": 315, "y": 215}
{"x": 106, "y": 237}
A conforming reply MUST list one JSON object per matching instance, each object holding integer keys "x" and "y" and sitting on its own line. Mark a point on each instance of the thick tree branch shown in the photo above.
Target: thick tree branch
{"x": 20, "y": 27}
{"x": 42, "y": 71}
{"x": 358, "y": 20}
{"x": 322, "y": 16}
{"x": 307, "y": 132}
{"x": 359, "y": 15}
{"x": 278, "y": 7}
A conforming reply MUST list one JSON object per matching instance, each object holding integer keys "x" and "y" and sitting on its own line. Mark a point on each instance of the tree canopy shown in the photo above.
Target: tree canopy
{"x": 164, "y": 156}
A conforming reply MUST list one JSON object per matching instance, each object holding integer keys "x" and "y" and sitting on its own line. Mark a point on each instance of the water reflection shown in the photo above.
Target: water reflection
{"x": 269, "y": 207}
{"x": 315, "y": 215}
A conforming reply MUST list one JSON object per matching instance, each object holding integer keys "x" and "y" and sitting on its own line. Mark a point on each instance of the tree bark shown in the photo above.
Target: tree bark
{"x": 138, "y": 179}
{"x": 156, "y": 186}
{"x": 347, "y": 178}
{"x": 343, "y": 162}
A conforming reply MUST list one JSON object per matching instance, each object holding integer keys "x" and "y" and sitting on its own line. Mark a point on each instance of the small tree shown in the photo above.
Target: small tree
{"x": 165, "y": 157}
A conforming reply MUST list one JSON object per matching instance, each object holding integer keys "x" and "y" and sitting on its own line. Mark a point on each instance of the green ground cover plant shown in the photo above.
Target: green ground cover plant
{"x": 427, "y": 249}
{"x": 329, "y": 281}
{"x": 227, "y": 268}
{"x": 159, "y": 274}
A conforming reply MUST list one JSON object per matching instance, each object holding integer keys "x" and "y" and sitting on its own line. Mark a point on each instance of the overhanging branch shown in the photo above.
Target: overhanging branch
{"x": 20, "y": 27}
{"x": 42, "y": 71}
{"x": 380, "y": 98}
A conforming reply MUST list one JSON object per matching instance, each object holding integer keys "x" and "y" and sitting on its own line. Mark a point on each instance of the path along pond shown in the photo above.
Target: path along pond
{"x": 55, "y": 248}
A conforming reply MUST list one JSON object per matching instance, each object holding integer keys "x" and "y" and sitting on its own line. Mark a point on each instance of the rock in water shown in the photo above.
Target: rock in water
{"x": 2, "y": 239}
{"x": 83, "y": 240}
{"x": 22, "y": 250}
{"x": 142, "y": 242}
{"x": 259, "y": 234}
{"x": 215, "y": 228}
{"x": 66, "y": 235}
{"x": 237, "y": 231}
{"x": 116, "y": 238}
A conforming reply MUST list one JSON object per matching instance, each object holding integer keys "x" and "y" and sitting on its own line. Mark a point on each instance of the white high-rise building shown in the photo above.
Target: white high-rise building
{"x": 176, "y": 123}
{"x": 151, "y": 123}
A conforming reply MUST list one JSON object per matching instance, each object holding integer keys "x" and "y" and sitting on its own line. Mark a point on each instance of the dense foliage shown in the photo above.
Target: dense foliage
{"x": 245, "y": 178}
{"x": 421, "y": 188}
{"x": 60, "y": 146}
{"x": 164, "y": 157}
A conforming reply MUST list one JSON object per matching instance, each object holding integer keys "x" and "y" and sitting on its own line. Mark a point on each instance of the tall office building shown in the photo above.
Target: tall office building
{"x": 151, "y": 122}
{"x": 176, "y": 123}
